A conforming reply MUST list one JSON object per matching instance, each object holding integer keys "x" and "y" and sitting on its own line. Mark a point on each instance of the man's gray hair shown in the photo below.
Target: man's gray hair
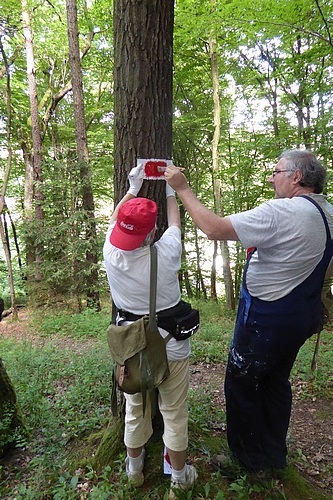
{"x": 313, "y": 172}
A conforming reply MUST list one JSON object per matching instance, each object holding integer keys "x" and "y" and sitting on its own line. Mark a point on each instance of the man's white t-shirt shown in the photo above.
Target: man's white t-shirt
{"x": 290, "y": 237}
{"x": 128, "y": 274}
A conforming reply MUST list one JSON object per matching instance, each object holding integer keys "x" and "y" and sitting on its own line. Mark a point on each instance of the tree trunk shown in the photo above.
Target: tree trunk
{"x": 143, "y": 58}
{"x": 200, "y": 282}
{"x": 3, "y": 207}
{"x": 213, "y": 291}
{"x": 36, "y": 139}
{"x": 88, "y": 206}
{"x": 11, "y": 425}
{"x": 218, "y": 198}
{"x": 28, "y": 206}
{"x": 6, "y": 250}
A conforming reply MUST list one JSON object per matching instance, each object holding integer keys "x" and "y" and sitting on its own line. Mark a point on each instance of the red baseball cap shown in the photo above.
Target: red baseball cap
{"x": 136, "y": 218}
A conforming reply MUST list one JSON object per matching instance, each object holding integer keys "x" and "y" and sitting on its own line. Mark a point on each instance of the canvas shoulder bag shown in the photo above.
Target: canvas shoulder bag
{"x": 138, "y": 351}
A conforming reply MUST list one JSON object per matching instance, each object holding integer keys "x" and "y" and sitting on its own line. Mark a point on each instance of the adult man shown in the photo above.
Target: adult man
{"x": 127, "y": 261}
{"x": 280, "y": 300}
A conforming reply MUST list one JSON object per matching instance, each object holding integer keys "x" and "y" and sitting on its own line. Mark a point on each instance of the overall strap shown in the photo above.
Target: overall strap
{"x": 328, "y": 234}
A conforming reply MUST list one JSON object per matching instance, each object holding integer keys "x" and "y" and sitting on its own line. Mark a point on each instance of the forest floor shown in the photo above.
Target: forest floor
{"x": 311, "y": 427}
{"x": 310, "y": 432}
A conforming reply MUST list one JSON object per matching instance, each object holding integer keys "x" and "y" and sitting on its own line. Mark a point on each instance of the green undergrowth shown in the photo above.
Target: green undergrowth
{"x": 62, "y": 377}
{"x": 87, "y": 324}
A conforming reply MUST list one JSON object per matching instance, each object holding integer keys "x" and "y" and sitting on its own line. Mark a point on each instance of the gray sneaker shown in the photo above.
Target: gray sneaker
{"x": 190, "y": 478}
{"x": 136, "y": 478}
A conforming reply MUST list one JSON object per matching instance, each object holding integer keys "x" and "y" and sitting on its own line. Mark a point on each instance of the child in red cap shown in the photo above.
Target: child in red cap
{"x": 127, "y": 262}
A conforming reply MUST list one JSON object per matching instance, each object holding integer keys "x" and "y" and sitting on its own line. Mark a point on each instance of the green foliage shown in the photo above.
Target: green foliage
{"x": 10, "y": 435}
{"x": 319, "y": 381}
{"x": 211, "y": 343}
{"x": 20, "y": 289}
{"x": 70, "y": 389}
{"x": 275, "y": 79}
{"x": 204, "y": 349}
{"x": 244, "y": 488}
{"x": 203, "y": 414}
{"x": 78, "y": 325}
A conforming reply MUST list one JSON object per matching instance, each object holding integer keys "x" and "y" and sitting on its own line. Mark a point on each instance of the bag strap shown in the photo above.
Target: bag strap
{"x": 153, "y": 287}
{"x": 152, "y": 323}
{"x": 114, "y": 399}
{"x": 113, "y": 313}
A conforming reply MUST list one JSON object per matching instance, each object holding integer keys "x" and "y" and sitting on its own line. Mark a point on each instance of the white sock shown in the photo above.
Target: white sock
{"x": 179, "y": 475}
{"x": 135, "y": 464}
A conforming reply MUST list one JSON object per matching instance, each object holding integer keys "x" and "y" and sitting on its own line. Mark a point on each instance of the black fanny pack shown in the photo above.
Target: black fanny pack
{"x": 181, "y": 321}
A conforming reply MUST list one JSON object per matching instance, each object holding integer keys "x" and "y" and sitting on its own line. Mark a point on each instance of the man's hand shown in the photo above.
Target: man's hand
{"x": 175, "y": 178}
{"x": 135, "y": 179}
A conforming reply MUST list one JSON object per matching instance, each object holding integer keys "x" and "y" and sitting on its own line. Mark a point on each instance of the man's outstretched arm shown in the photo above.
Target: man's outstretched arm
{"x": 215, "y": 227}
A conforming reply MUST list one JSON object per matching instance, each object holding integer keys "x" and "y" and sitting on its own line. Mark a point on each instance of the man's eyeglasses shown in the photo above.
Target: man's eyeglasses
{"x": 275, "y": 172}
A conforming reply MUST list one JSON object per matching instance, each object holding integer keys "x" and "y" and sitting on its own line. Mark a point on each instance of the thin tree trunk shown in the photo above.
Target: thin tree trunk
{"x": 88, "y": 206}
{"x": 200, "y": 282}
{"x": 184, "y": 275}
{"x": 4, "y": 187}
{"x": 36, "y": 137}
{"x": 228, "y": 285}
{"x": 9, "y": 269}
{"x": 28, "y": 205}
{"x": 213, "y": 290}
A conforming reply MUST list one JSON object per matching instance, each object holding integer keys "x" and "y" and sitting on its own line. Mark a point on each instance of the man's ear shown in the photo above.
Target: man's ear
{"x": 297, "y": 176}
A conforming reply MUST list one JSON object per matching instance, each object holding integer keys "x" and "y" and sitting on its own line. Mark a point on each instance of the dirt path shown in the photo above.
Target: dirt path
{"x": 311, "y": 427}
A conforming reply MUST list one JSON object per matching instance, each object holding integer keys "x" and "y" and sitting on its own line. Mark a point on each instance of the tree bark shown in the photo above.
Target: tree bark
{"x": 143, "y": 58}
{"x": 3, "y": 206}
{"x": 36, "y": 139}
{"x": 218, "y": 198}
{"x": 88, "y": 206}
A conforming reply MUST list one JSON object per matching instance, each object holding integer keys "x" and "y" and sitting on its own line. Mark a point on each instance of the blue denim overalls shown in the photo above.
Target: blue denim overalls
{"x": 267, "y": 338}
